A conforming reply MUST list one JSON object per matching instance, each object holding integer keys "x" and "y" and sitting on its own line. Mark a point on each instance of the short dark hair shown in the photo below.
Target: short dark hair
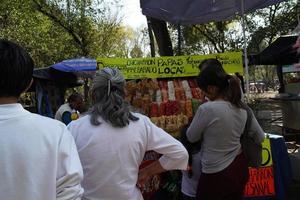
{"x": 16, "y": 69}
{"x": 213, "y": 64}
{"x": 73, "y": 97}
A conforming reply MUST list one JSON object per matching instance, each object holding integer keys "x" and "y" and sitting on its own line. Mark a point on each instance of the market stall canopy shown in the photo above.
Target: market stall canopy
{"x": 200, "y": 11}
{"x": 280, "y": 52}
{"x": 59, "y": 77}
{"x": 76, "y": 65}
{"x": 82, "y": 67}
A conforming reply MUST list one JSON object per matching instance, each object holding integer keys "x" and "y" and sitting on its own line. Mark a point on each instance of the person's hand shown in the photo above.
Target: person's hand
{"x": 143, "y": 177}
{"x": 146, "y": 173}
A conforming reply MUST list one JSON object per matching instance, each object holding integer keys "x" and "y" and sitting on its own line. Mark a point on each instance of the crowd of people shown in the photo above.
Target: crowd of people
{"x": 98, "y": 155}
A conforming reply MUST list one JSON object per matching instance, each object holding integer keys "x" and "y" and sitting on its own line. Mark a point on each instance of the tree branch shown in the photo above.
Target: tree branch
{"x": 55, "y": 19}
{"x": 209, "y": 38}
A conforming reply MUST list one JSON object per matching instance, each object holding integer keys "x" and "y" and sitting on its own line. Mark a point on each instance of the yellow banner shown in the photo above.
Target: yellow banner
{"x": 172, "y": 66}
{"x": 266, "y": 153}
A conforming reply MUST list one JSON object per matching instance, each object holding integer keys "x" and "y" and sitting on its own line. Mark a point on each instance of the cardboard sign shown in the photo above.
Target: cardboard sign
{"x": 261, "y": 182}
{"x": 266, "y": 154}
{"x": 171, "y": 66}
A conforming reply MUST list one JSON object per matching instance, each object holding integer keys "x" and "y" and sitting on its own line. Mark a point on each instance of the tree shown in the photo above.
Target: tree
{"x": 214, "y": 37}
{"x": 55, "y": 30}
{"x": 262, "y": 28}
{"x": 20, "y": 22}
{"x": 269, "y": 23}
{"x": 81, "y": 20}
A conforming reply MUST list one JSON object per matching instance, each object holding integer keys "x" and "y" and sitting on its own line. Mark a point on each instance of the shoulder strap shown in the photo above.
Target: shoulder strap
{"x": 249, "y": 118}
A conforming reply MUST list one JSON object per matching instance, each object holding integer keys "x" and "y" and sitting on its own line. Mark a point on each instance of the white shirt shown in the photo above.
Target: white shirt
{"x": 189, "y": 184}
{"x": 111, "y": 156}
{"x": 38, "y": 157}
{"x": 220, "y": 125}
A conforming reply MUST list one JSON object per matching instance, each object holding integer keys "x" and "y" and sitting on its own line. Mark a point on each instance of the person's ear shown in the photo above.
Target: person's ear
{"x": 28, "y": 86}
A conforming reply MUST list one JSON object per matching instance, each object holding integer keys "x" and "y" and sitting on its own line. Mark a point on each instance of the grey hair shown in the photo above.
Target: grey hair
{"x": 108, "y": 99}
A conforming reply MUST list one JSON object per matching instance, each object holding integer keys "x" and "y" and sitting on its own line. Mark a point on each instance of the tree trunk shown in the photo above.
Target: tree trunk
{"x": 151, "y": 38}
{"x": 162, "y": 37}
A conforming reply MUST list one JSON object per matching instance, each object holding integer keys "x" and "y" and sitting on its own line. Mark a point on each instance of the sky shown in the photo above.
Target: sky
{"x": 132, "y": 14}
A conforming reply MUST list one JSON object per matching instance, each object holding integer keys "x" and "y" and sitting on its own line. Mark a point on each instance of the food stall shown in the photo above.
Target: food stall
{"x": 165, "y": 89}
{"x": 282, "y": 55}
{"x": 291, "y": 98}
{"x": 47, "y": 92}
{"x": 49, "y": 86}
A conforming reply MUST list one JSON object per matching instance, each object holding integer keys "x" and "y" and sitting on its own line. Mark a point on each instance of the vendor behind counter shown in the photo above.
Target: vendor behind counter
{"x": 70, "y": 110}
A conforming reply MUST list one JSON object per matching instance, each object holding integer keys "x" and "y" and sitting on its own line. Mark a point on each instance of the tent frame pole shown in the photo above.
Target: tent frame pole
{"x": 245, "y": 48}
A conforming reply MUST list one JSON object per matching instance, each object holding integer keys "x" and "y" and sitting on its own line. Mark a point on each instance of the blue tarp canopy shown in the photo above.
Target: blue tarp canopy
{"x": 200, "y": 11}
{"x": 76, "y": 65}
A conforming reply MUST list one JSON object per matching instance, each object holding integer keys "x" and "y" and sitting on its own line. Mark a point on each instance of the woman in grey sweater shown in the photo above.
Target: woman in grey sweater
{"x": 219, "y": 124}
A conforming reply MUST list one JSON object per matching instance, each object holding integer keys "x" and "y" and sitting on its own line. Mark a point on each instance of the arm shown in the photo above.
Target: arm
{"x": 69, "y": 170}
{"x": 149, "y": 171}
{"x": 255, "y": 130}
{"x": 174, "y": 155}
{"x": 199, "y": 123}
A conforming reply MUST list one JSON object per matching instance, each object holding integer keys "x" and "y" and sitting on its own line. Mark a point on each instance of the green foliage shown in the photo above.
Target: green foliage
{"x": 214, "y": 37}
{"x": 55, "y": 30}
{"x": 37, "y": 34}
{"x": 262, "y": 28}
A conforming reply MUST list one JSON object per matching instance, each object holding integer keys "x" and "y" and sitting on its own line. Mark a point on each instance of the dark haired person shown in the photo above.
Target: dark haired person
{"x": 219, "y": 124}
{"x": 213, "y": 64}
{"x": 112, "y": 141}
{"x": 70, "y": 110}
{"x": 38, "y": 156}
{"x": 216, "y": 66}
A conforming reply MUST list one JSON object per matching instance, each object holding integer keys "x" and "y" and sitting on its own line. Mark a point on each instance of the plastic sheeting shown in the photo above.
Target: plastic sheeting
{"x": 200, "y": 11}
{"x": 76, "y": 65}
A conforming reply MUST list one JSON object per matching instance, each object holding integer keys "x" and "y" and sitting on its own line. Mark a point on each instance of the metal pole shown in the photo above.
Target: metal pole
{"x": 179, "y": 39}
{"x": 245, "y": 49}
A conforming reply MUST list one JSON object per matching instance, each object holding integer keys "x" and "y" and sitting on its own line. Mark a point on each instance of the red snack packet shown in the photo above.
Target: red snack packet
{"x": 192, "y": 83}
{"x": 162, "y": 109}
{"x": 154, "y": 110}
{"x": 164, "y": 95}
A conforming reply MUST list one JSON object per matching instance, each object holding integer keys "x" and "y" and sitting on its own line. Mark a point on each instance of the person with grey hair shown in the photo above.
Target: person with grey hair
{"x": 112, "y": 141}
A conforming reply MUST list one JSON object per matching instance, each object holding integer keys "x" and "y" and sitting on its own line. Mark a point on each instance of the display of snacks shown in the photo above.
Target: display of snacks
{"x": 172, "y": 124}
{"x": 170, "y": 103}
{"x": 156, "y": 181}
